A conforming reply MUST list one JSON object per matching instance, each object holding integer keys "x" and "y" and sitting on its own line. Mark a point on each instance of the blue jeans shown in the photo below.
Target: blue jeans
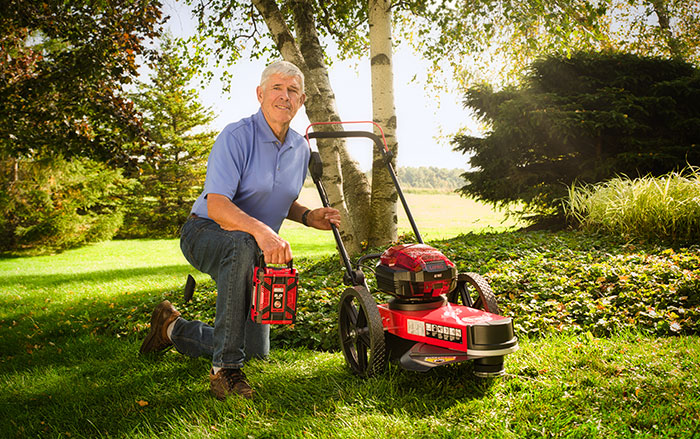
{"x": 229, "y": 258}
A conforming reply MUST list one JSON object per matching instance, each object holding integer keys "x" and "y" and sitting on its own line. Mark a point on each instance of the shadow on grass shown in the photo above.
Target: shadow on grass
{"x": 74, "y": 369}
{"x": 86, "y": 378}
{"x": 33, "y": 281}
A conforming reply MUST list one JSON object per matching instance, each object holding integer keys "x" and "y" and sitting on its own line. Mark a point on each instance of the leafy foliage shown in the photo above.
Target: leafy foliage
{"x": 229, "y": 29}
{"x": 564, "y": 282}
{"x": 63, "y": 66}
{"x": 494, "y": 41}
{"x": 579, "y": 283}
{"x": 582, "y": 119}
{"x": 172, "y": 173}
{"x": 55, "y": 204}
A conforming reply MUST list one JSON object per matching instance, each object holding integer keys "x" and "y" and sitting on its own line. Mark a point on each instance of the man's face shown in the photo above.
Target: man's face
{"x": 280, "y": 98}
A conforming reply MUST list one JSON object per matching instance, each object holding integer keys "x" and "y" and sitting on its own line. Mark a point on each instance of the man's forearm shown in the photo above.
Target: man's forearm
{"x": 229, "y": 216}
{"x": 296, "y": 211}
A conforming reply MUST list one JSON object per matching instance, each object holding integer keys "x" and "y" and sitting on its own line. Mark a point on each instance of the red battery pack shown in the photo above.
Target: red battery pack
{"x": 274, "y": 295}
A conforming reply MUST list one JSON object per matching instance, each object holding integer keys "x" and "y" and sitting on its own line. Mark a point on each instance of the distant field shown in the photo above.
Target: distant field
{"x": 437, "y": 215}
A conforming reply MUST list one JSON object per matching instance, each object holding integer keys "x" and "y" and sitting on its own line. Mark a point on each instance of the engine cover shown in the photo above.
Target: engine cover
{"x": 415, "y": 270}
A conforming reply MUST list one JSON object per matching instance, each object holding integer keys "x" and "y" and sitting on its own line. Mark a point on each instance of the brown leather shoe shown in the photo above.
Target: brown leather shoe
{"x": 157, "y": 338}
{"x": 229, "y": 381}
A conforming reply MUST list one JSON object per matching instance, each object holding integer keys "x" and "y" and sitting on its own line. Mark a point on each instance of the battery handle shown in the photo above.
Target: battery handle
{"x": 262, "y": 264}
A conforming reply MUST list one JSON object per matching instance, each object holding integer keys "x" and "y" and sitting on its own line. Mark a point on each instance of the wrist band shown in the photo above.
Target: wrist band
{"x": 303, "y": 217}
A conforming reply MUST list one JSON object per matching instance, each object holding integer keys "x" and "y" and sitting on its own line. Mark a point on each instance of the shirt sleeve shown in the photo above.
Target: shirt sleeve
{"x": 225, "y": 165}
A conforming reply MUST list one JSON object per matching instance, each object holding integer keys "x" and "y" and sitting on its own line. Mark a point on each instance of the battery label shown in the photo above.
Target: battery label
{"x": 443, "y": 332}
{"x": 277, "y": 297}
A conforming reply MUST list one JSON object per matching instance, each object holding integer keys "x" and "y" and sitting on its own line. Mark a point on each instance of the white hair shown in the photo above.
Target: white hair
{"x": 283, "y": 68}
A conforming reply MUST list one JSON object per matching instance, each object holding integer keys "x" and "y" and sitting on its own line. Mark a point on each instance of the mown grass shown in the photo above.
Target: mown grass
{"x": 625, "y": 386}
{"x": 71, "y": 325}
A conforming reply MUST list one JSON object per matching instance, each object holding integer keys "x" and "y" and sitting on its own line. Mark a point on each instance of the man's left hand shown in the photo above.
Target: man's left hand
{"x": 323, "y": 217}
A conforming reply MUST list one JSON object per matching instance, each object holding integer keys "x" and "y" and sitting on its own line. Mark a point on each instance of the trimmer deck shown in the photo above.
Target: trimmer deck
{"x": 449, "y": 333}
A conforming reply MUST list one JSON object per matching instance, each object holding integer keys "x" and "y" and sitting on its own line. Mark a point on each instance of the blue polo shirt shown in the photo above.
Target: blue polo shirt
{"x": 249, "y": 166}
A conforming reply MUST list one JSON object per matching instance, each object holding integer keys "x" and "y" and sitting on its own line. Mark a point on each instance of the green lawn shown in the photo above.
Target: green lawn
{"x": 71, "y": 325}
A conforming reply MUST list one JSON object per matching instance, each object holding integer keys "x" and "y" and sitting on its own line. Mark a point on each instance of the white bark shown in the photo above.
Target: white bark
{"x": 384, "y": 217}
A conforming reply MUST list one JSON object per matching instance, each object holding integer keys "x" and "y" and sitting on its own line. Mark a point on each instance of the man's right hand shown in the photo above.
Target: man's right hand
{"x": 275, "y": 249}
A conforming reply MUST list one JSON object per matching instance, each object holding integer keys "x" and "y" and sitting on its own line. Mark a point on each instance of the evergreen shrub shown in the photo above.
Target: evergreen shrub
{"x": 55, "y": 204}
{"x": 584, "y": 118}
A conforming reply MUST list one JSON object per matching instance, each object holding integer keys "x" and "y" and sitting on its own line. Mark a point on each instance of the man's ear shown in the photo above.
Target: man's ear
{"x": 302, "y": 99}
{"x": 259, "y": 93}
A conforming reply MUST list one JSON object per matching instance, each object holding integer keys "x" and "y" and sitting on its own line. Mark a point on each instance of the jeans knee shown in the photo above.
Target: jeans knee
{"x": 248, "y": 251}
{"x": 241, "y": 248}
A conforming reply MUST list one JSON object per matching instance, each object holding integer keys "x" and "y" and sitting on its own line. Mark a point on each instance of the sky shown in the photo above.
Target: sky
{"x": 424, "y": 126}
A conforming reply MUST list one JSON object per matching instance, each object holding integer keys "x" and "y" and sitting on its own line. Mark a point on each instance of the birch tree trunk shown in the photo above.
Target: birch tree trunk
{"x": 356, "y": 190}
{"x": 320, "y": 107}
{"x": 662, "y": 15}
{"x": 384, "y": 196}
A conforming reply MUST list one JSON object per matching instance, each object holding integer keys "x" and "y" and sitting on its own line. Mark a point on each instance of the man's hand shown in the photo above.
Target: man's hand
{"x": 323, "y": 217}
{"x": 275, "y": 249}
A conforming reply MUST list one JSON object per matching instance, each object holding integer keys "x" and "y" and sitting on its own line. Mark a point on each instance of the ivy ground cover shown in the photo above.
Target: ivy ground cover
{"x": 550, "y": 283}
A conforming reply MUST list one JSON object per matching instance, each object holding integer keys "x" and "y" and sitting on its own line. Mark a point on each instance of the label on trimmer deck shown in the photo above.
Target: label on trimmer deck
{"x": 415, "y": 327}
{"x": 446, "y": 333}
{"x": 440, "y": 332}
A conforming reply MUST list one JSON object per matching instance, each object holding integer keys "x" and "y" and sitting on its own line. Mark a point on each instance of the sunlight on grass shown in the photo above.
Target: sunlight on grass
{"x": 437, "y": 215}
{"x": 116, "y": 267}
{"x": 71, "y": 325}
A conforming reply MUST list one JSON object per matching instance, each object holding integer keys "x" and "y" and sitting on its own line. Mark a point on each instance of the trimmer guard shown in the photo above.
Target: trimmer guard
{"x": 474, "y": 333}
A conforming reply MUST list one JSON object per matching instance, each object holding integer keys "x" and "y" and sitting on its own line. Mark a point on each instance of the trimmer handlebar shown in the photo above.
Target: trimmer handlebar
{"x": 345, "y": 134}
{"x": 354, "y": 277}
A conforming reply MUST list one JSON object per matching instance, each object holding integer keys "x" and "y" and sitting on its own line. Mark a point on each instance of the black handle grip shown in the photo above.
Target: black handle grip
{"x": 315, "y": 166}
{"x": 262, "y": 264}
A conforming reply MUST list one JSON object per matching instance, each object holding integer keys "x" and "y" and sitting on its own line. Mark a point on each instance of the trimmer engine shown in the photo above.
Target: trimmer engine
{"x": 415, "y": 270}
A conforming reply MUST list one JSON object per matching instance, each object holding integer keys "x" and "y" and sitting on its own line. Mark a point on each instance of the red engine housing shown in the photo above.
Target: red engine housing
{"x": 415, "y": 270}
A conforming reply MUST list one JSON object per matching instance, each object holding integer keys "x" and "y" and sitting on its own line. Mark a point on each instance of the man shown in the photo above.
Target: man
{"x": 254, "y": 174}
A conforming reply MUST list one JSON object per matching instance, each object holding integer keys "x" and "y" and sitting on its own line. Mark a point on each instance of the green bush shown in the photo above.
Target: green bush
{"x": 582, "y": 118}
{"x": 55, "y": 204}
{"x": 665, "y": 207}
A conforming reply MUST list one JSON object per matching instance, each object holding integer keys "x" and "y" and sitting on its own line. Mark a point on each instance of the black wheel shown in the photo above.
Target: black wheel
{"x": 361, "y": 332}
{"x": 473, "y": 291}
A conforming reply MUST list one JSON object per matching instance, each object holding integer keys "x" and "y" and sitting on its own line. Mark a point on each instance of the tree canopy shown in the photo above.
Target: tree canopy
{"x": 63, "y": 66}
{"x": 494, "y": 41}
